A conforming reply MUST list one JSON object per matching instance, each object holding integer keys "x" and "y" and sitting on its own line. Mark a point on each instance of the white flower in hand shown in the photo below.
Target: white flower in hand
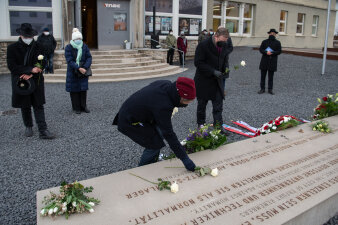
{"x": 125, "y": 41}
{"x": 174, "y": 187}
{"x": 91, "y": 203}
{"x": 40, "y": 57}
{"x": 91, "y": 210}
{"x": 214, "y": 172}
{"x": 50, "y": 211}
{"x": 243, "y": 63}
{"x": 174, "y": 111}
{"x": 74, "y": 204}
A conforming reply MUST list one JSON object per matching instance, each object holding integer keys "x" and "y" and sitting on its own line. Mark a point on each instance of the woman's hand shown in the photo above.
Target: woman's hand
{"x": 25, "y": 76}
{"x": 82, "y": 70}
{"x": 36, "y": 70}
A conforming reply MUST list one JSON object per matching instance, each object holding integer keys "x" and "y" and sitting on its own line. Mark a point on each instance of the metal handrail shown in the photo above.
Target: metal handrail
{"x": 172, "y": 48}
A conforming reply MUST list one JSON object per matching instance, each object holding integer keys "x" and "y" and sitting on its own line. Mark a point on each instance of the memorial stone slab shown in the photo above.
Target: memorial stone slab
{"x": 288, "y": 177}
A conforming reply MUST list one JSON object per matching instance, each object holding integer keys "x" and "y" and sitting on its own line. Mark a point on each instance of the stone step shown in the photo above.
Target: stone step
{"x": 111, "y": 61}
{"x": 99, "y": 65}
{"x": 136, "y": 55}
{"x": 121, "y": 69}
{"x": 117, "y": 52}
{"x": 109, "y": 77}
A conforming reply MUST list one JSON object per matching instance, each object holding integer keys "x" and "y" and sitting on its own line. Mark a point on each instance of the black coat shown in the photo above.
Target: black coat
{"x": 15, "y": 61}
{"x": 207, "y": 60}
{"x": 147, "y": 108}
{"x": 269, "y": 62}
{"x": 47, "y": 43}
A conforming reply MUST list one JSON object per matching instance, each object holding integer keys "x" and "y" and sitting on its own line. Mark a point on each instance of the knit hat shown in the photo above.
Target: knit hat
{"x": 186, "y": 88}
{"x": 76, "y": 34}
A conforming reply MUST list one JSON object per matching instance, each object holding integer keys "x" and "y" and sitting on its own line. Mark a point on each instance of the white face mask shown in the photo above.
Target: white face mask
{"x": 27, "y": 40}
{"x": 171, "y": 33}
{"x": 46, "y": 33}
{"x": 211, "y": 33}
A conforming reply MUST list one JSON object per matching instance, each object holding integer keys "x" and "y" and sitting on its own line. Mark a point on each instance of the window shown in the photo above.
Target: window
{"x": 165, "y": 6}
{"x": 315, "y": 25}
{"x": 190, "y": 26}
{"x": 217, "y": 12}
{"x": 192, "y": 7}
{"x": 39, "y": 20}
{"x": 30, "y": 3}
{"x": 163, "y": 25}
{"x": 282, "y": 22}
{"x": 300, "y": 23}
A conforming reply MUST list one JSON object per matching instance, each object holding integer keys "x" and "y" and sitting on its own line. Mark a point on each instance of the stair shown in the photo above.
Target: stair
{"x": 117, "y": 65}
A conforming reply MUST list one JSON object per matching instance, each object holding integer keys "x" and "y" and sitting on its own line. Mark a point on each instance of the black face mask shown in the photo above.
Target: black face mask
{"x": 182, "y": 105}
{"x": 271, "y": 37}
{"x": 220, "y": 44}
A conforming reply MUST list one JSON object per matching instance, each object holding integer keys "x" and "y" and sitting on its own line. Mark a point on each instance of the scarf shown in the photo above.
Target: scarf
{"x": 79, "y": 51}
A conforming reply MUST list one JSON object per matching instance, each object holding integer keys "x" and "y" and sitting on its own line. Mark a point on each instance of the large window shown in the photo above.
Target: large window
{"x": 192, "y": 7}
{"x": 217, "y": 12}
{"x": 162, "y": 25}
{"x": 30, "y": 3}
{"x": 300, "y": 24}
{"x": 165, "y": 6}
{"x": 39, "y": 20}
{"x": 283, "y": 22}
{"x": 315, "y": 25}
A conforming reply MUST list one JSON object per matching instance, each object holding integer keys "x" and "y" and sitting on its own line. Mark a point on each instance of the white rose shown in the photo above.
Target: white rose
{"x": 40, "y": 57}
{"x": 174, "y": 187}
{"x": 91, "y": 210}
{"x": 64, "y": 209}
{"x": 50, "y": 211}
{"x": 64, "y": 204}
{"x": 243, "y": 63}
{"x": 74, "y": 204}
{"x": 55, "y": 209}
{"x": 184, "y": 142}
{"x": 214, "y": 172}
{"x": 175, "y": 110}
{"x": 125, "y": 41}
{"x": 91, "y": 203}
{"x": 43, "y": 211}
{"x": 274, "y": 127}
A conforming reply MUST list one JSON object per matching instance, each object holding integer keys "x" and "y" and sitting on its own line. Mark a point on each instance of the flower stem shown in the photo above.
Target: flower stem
{"x": 143, "y": 178}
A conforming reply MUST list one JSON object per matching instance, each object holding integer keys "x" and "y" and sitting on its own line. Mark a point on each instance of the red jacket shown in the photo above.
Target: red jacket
{"x": 181, "y": 45}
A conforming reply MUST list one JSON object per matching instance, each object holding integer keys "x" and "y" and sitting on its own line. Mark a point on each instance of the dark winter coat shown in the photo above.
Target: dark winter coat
{"x": 229, "y": 48}
{"x": 207, "y": 60}
{"x": 269, "y": 62}
{"x": 181, "y": 46}
{"x": 73, "y": 83}
{"x": 47, "y": 43}
{"x": 15, "y": 61}
{"x": 147, "y": 108}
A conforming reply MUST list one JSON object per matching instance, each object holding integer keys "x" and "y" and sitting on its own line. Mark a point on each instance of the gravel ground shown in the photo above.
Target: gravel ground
{"x": 88, "y": 146}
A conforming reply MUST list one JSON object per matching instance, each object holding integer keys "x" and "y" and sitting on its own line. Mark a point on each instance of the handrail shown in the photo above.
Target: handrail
{"x": 172, "y": 48}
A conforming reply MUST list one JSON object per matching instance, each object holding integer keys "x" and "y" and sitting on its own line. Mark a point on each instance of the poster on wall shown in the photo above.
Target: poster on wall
{"x": 120, "y": 22}
{"x": 194, "y": 26}
{"x": 165, "y": 25}
{"x": 184, "y": 25}
{"x": 158, "y": 23}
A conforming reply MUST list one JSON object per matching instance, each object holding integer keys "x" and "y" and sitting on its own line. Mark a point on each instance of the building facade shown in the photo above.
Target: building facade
{"x": 106, "y": 24}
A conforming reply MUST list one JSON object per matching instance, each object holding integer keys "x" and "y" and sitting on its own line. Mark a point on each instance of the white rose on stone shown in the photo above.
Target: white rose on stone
{"x": 74, "y": 204}
{"x": 174, "y": 187}
{"x": 64, "y": 204}
{"x": 64, "y": 209}
{"x": 243, "y": 63}
{"x": 40, "y": 57}
{"x": 43, "y": 211}
{"x": 274, "y": 128}
{"x": 50, "y": 211}
{"x": 56, "y": 209}
{"x": 91, "y": 210}
{"x": 214, "y": 172}
{"x": 91, "y": 203}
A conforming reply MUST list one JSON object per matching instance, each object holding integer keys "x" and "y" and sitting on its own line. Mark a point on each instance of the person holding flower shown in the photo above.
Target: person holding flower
{"x": 25, "y": 62}
{"x": 79, "y": 60}
{"x": 145, "y": 117}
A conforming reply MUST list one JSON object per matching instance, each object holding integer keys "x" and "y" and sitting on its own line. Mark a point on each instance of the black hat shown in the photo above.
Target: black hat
{"x": 24, "y": 87}
{"x": 26, "y": 30}
{"x": 272, "y": 30}
{"x": 46, "y": 29}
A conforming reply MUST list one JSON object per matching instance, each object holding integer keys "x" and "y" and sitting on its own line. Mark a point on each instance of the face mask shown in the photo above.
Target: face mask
{"x": 171, "y": 33}
{"x": 211, "y": 33}
{"x": 221, "y": 43}
{"x": 78, "y": 42}
{"x": 27, "y": 41}
{"x": 46, "y": 33}
{"x": 182, "y": 105}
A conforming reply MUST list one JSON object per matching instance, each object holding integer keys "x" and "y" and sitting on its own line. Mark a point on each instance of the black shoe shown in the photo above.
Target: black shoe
{"x": 29, "y": 132}
{"x": 46, "y": 135}
{"x": 261, "y": 91}
{"x": 270, "y": 92}
{"x": 77, "y": 111}
{"x": 86, "y": 110}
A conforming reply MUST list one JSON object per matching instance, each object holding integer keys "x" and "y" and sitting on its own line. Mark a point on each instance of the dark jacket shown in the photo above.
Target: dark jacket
{"x": 73, "y": 83}
{"x": 47, "y": 43}
{"x": 16, "y": 53}
{"x": 207, "y": 60}
{"x": 147, "y": 108}
{"x": 229, "y": 49}
{"x": 180, "y": 44}
{"x": 269, "y": 62}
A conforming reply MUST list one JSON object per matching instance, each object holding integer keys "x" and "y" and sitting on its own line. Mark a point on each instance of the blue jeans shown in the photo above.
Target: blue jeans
{"x": 150, "y": 155}
{"x": 49, "y": 63}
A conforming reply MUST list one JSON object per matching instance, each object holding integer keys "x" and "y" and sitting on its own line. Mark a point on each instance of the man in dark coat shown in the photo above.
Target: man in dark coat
{"x": 145, "y": 117}
{"x": 210, "y": 62}
{"x": 270, "y": 49}
{"x": 48, "y": 45}
{"x": 21, "y": 59}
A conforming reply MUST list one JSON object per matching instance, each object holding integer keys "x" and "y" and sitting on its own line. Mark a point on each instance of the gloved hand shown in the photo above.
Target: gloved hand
{"x": 189, "y": 164}
{"x": 218, "y": 74}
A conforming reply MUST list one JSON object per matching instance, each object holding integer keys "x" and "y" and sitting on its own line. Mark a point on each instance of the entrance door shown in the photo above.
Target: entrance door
{"x": 113, "y": 24}
{"x": 89, "y": 22}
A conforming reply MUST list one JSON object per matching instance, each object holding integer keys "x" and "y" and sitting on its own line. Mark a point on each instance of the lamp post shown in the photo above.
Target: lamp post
{"x": 326, "y": 35}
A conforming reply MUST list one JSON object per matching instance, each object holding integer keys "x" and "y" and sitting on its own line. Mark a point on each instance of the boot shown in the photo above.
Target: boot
{"x": 29, "y": 132}
{"x": 46, "y": 135}
{"x": 86, "y": 110}
{"x": 270, "y": 92}
{"x": 261, "y": 91}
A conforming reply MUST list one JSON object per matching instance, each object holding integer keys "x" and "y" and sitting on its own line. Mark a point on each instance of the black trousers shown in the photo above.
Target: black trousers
{"x": 181, "y": 58}
{"x": 170, "y": 56}
{"x": 39, "y": 114}
{"x": 270, "y": 79}
{"x": 217, "y": 109}
{"x": 79, "y": 100}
